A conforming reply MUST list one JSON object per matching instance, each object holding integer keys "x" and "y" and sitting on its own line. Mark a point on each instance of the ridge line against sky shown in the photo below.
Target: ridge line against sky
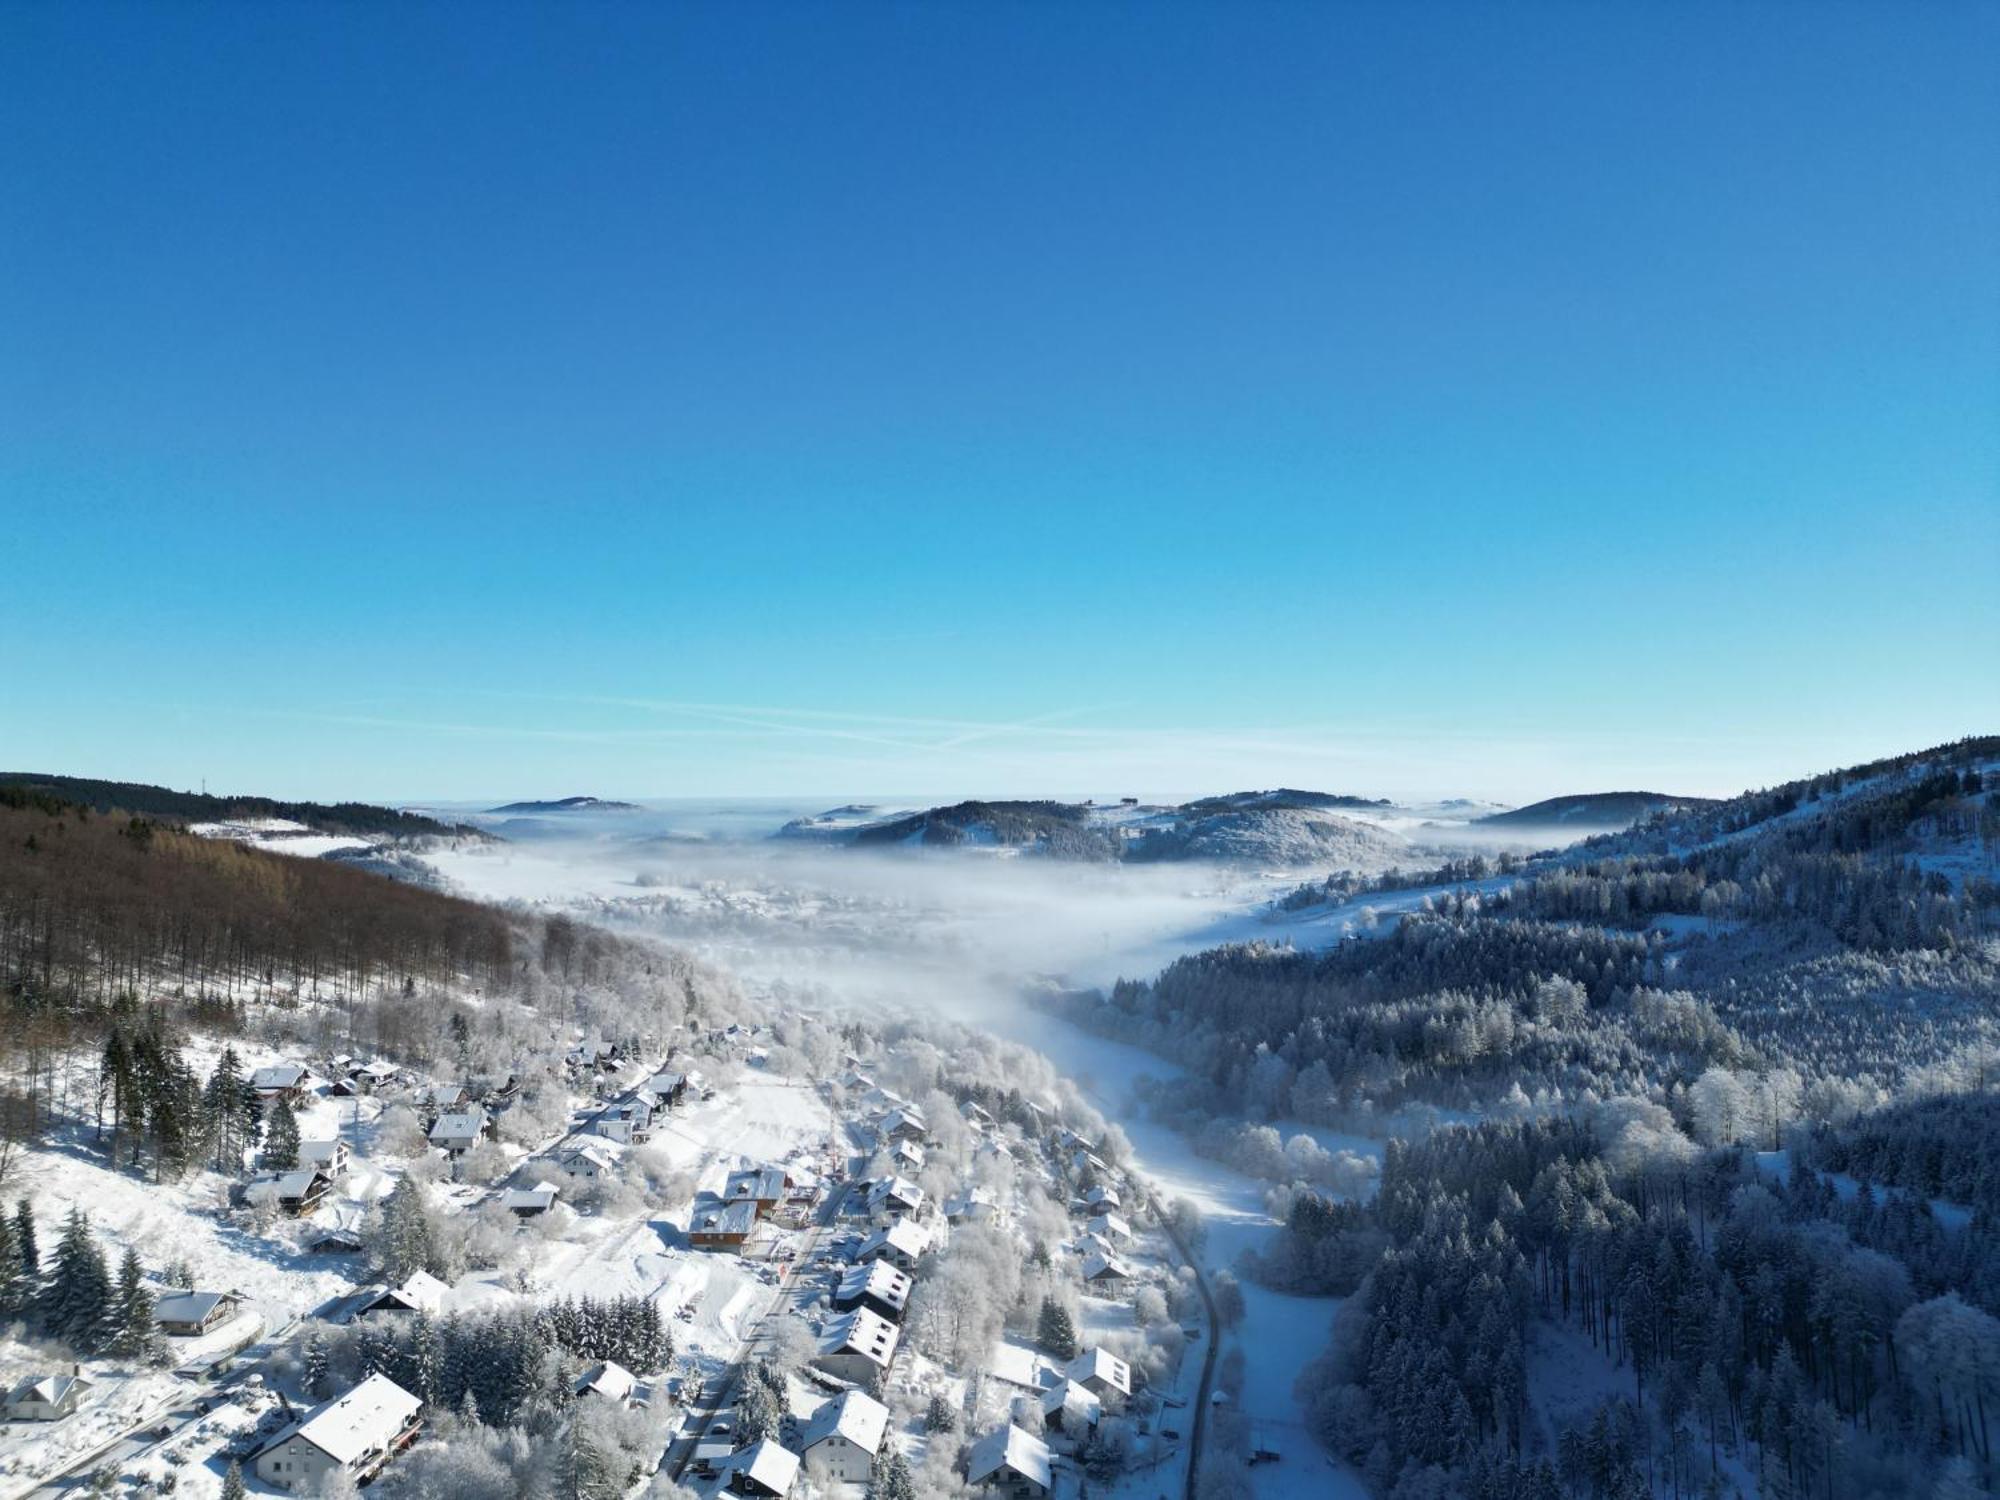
{"x": 1423, "y": 401}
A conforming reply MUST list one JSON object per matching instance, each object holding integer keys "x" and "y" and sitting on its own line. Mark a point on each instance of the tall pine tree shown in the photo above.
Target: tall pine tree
{"x": 76, "y": 1307}
{"x": 281, "y": 1140}
{"x": 133, "y": 1333}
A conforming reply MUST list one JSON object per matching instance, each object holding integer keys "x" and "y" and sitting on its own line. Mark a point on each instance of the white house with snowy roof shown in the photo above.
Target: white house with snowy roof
{"x": 1011, "y": 1462}
{"x": 765, "y": 1467}
{"x": 352, "y": 1435}
{"x": 902, "y": 1244}
{"x": 844, "y": 1436}
{"x": 45, "y": 1398}
{"x": 1102, "y": 1373}
{"x": 857, "y": 1346}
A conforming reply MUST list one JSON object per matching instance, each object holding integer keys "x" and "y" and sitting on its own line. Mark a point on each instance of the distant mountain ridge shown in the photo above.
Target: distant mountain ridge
{"x": 567, "y": 804}
{"x": 361, "y": 819}
{"x": 1283, "y": 826}
{"x": 1599, "y": 810}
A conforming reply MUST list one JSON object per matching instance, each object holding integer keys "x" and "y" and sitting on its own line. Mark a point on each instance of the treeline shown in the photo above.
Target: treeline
{"x": 1345, "y": 885}
{"x": 72, "y": 1294}
{"x": 94, "y": 906}
{"x": 493, "y": 1366}
{"x": 136, "y": 798}
{"x": 1946, "y": 1146}
{"x": 1747, "y": 1327}
{"x": 1696, "y": 825}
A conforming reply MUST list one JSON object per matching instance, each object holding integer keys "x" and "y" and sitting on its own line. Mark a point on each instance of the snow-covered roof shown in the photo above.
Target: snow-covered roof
{"x": 49, "y": 1389}
{"x": 463, "y": 1126}
{"x": 968, "y": 1203}
{"x": 320, "y": 1153}
{"x": 608, "y": 1378}
{"x": 278, "y": 1076}
{"x": 1110, "y": 1224}
{"x": 769, "y": 1464}
{"x": 1011, "y": 1449}
{"x": 895, "y": 1192}
{"x": 739, "y": 1217}
{"x": 1098, "y": 1363}
{"x": 541, "y": 1196}
{"x": 190, "y": 1307}
{"x": 903, "y": 1237}
{"x": 601, "y": 1157}
{"x": 366, "y": 1419}
{"x": 1015, "y": 1365}
{"x": 877, "y": 1279}
{"x": 1100, "y": 1267}
{"x": 1102, "y": 1197}
{"x": 854, "y": 1415}
{"x": 762, "y": 1183}
{"x": 298, "y": 1184}
{"x": 861, "y": 1332}
{"x": 1075, "y": 1402}
{"x": 420, "y": 1292}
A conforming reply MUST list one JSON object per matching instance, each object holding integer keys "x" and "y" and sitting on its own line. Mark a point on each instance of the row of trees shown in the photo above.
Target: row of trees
{"x": 74, "y": 1294}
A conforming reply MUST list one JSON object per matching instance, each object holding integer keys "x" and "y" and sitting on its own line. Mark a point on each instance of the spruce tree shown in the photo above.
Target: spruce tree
{"x": 893, "y": 1480}
{"x": 24, "y": 1239}
{"x": 315, "y": 1367}
{"x": 78, "y": 1302}
{"x": 1055, "y": 1329}
{"x": 132, "y": 1330}
{"x": 281, "y": 1140}
{"x": 221, "y": 1102}
{"x": 232, "y": 1483}
{"x": 586, "y": 1472}
{"x": 13, "y": 1284}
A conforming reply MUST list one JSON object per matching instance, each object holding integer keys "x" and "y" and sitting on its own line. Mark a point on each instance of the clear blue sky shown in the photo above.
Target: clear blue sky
{"x": 427, "y": 401}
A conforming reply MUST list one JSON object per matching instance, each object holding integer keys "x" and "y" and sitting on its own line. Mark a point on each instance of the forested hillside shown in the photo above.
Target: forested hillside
{"x": 1732, "y": 1083}
{"x": 358, "y": 818}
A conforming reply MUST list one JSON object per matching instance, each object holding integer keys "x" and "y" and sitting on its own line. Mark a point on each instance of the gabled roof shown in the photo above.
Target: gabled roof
{"x": 1109, "y": 1224}
{"x": 903, "y": 1237}
{"x": 895, "y": 1192}
{"x": 1098, "y": 1266}
{"x": 314, "y": 1153}
{"x": 366, "y": 1419}
{"x": 1102, "y": 1197}
{"x": 769, "y": 1464}
{"x": 589, "y": 1150}
{"x": 861, "y": 1332}
{"x": 49, "y": 1389}
{"x": 190, "y": 1307}
{"x": 854, "y": 1415}
{"x": 877, "y": 1279}
{"x": 278, "y": 1076}
{"x": 1097, "y": 1363}
{"x": 1073, "y": 1401}
{"x": 1011, "y": 1449}
{"x": 298, "y": 1184}
{"x": 420, "y": 1292}
{"x": 609, "y": 1379}
{"x": 542, "y": 1195}
{"x": 961, "y": 1205}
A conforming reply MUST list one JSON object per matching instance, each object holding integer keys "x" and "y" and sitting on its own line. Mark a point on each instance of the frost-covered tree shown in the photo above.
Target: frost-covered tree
{"x": 1055, "y": 1329}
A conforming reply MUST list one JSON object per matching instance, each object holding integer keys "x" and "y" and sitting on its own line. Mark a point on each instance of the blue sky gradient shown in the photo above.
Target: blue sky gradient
{"x": 440, "y": 401}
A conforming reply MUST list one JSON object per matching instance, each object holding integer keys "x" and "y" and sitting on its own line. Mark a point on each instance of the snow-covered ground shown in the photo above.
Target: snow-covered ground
{"x": 279, "y": 836}
{"x": 954, "y": 936}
